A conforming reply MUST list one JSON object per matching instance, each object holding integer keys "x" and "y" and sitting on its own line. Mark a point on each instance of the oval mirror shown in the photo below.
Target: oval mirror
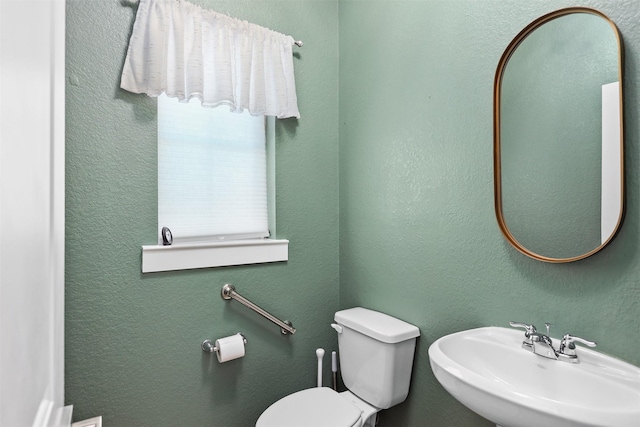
{"x": 558, "y": 136}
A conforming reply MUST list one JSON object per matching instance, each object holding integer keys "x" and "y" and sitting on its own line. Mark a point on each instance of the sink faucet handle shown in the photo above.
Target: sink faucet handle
{"x": 528, "y": 329}
{"x": 568, "y": 346}
{"x": 548, "y": 326}
{"x": 569, "y": 340}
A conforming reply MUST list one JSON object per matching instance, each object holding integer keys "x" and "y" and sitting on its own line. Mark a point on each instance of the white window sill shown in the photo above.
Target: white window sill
{"x": 219, "y": 254}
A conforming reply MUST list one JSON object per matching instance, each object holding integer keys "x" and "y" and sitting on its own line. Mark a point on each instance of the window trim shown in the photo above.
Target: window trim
{"x": 156, "y": 258}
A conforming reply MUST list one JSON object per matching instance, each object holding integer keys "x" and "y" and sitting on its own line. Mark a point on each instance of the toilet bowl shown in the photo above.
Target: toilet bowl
{"x": 317, "y": 407}
{"x": 376, "y": 358}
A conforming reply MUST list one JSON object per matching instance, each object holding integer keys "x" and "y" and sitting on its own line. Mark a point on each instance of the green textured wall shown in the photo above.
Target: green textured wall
{"x": 133, "y": 341}
{"x": 418, "y": 235}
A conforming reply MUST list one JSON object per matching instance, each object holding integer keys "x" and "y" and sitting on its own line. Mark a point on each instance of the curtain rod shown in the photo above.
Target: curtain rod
{"x": 298, "y": 43}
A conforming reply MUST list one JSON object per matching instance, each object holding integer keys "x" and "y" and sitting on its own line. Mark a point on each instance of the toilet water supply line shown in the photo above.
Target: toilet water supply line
{"x": 334, "y": 370}
{"x": 334, "y": 367}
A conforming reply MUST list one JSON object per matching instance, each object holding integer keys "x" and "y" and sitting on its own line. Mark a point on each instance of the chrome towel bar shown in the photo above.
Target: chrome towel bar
{"x": 229, "y": 292}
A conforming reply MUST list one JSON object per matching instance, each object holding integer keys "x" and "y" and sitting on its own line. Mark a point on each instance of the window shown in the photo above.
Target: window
{"x": 213, "y": 186}
{"x": 212, "y": 172}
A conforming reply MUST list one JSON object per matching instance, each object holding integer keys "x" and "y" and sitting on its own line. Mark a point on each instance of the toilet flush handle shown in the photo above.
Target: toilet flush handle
{"x": 337, "y": 327}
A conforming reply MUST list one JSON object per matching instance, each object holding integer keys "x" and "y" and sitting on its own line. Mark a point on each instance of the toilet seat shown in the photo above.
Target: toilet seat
{"x": 314, "y": 407}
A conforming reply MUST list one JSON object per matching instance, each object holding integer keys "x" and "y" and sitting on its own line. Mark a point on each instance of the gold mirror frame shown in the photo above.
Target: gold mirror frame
{"x": 497, "y": 169}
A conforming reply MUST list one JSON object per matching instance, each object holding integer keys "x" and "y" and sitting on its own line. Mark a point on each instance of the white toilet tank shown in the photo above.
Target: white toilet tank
{"x": 376, "y": 355}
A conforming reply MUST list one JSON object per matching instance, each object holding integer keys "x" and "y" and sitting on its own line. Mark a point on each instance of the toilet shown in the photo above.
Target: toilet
{"x": 376, "y": 358}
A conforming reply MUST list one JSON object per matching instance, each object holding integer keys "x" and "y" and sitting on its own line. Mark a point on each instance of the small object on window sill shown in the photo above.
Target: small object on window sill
{"x": 167, "y": 237}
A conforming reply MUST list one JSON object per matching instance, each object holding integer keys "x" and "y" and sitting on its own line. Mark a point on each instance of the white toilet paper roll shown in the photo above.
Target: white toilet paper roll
{"x": 230, "y": 348}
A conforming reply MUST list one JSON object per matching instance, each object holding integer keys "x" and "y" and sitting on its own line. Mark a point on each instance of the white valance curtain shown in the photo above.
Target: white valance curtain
{"x": 185, "y": 51}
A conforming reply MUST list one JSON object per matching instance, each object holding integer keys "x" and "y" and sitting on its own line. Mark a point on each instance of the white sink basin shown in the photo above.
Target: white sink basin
{"x": 488, "y": 371}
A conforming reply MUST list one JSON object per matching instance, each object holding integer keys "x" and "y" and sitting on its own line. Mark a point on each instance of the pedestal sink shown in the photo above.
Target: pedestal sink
{"x": 487, "y": 370}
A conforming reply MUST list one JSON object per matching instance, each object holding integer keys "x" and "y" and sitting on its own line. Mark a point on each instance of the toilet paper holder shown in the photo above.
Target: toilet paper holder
{"x": 207, "y": 345}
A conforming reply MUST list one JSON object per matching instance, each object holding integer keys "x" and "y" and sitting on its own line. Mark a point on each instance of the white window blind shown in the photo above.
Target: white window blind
{"x": 212, "y": 173}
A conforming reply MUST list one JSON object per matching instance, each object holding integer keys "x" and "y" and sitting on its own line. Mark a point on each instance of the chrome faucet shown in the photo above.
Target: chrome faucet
{"x": 542, "y": 344}
{"x": 536, "y": 342}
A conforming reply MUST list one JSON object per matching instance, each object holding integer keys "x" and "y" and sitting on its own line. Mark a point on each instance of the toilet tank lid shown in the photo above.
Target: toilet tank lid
{"x": 379, "y": 326}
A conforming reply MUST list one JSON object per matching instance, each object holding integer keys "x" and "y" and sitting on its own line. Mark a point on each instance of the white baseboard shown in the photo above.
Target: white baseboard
{"x": 91, "y": 422}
